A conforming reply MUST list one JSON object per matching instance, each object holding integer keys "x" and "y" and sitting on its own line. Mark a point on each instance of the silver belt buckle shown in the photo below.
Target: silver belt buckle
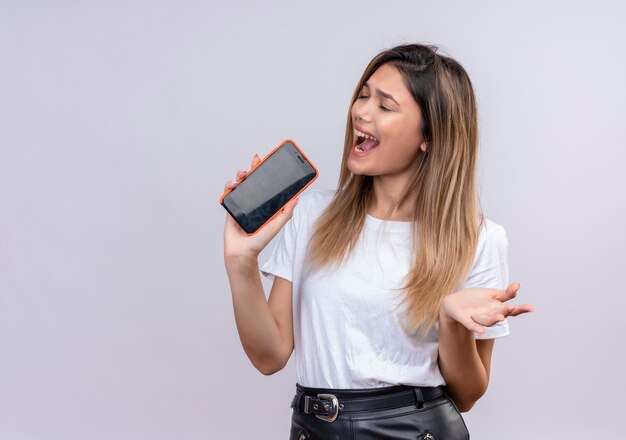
{"x": 332, "y": 406}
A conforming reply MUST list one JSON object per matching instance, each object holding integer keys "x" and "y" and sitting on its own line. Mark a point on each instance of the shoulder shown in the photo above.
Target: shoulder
{"x": 491, "y": 234}
{"x": 490, "y": 265}
{"x": 313, "y": 202}
{"x": 492, "y": 246}
{"x": 317, "y": 197}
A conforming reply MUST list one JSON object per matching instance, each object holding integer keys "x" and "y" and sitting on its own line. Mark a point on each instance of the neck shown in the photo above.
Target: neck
{"x": 386, "y": 191}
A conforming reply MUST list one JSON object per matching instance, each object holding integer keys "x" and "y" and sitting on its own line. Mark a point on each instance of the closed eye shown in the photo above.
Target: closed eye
{"x": 382, "y": 107}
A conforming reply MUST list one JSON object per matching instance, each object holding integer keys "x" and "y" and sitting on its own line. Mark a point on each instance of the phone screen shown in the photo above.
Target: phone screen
{"x": 269, "y": 187}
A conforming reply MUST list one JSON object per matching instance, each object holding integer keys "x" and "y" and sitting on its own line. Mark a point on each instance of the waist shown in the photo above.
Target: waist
{"x": 353, "y": 393}
{"x": 328, "y": 403}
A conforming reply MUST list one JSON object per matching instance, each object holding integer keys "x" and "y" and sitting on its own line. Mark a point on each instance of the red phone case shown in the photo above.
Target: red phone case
{"x": 258, "y": 164}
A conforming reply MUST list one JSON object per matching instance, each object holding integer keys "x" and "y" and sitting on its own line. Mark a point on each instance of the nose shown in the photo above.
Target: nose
{"x": 361, "y": 110}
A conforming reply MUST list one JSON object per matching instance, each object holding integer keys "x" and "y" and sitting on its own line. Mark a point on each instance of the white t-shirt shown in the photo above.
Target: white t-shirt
{"x": 347, "y": 330}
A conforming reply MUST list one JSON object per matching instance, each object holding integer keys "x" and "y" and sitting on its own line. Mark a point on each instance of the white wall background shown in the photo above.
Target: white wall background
{"x": 120, "y": 121}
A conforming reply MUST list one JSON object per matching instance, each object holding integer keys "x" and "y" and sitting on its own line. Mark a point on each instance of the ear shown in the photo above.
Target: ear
{"x": 424, "y": 146}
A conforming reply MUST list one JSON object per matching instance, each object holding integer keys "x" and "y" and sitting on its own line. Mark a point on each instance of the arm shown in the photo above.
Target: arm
{"x": 465, "y": 362}
{"x": 265, "y": 326}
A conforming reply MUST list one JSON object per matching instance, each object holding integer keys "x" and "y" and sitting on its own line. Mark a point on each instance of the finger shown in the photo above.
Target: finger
{"x": 230, "y": 184}
{"x": 240, "y": 175}
{"x": 289, "y": 207}
{"x": 282, "y": 217}
{"x": 478, "y": 329}
{"x": 471, "y": 325}
{"x": 509, "y": 293}
{"x": 256, "y": 159}
{"x": 518, "y": 310}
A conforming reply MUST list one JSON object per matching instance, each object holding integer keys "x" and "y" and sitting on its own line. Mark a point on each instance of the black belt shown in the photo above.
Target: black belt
{"x": 327, "y": 403}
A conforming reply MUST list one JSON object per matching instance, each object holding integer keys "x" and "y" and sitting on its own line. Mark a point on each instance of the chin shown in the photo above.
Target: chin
{"x": 359, "y": 171}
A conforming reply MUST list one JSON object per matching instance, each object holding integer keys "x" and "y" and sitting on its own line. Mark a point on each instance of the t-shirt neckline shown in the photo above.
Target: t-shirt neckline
{"x": 390, "y": 225}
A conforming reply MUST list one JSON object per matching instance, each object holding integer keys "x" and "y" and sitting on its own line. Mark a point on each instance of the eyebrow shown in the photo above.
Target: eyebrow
{"x": 386, "y": 95}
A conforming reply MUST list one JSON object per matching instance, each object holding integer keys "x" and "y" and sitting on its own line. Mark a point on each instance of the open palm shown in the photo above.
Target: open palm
{"x": 479, "y": 307}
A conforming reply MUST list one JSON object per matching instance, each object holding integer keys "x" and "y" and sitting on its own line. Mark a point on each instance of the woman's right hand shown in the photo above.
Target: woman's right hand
{"x": 236, "y": 242}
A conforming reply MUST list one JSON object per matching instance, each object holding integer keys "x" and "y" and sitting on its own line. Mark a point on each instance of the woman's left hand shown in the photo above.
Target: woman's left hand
{"x": 478, "y": 306}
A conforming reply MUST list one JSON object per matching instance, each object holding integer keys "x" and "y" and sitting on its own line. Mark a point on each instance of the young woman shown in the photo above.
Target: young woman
{"x": 393, "y": 287}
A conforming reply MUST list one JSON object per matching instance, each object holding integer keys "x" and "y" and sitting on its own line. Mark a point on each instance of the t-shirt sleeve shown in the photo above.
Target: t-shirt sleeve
{"x": 282, "y": 259}
{"x": 491, "y": 270}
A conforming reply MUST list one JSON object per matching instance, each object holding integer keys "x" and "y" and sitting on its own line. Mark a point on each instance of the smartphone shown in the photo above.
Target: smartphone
{"x": 280, "y": 176}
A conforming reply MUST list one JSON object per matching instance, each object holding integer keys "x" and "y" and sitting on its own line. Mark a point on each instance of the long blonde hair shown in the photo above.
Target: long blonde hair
{"x": 447, "y": 216}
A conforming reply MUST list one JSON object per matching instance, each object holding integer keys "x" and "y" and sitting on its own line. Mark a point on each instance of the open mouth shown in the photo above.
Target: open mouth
{"x": 364, "y": 142}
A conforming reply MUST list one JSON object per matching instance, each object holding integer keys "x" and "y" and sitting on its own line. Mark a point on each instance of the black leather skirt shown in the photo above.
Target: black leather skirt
{"x": 396, "y": 412}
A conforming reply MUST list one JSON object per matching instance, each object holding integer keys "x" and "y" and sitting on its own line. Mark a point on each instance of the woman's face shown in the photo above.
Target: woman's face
{"x": 386, "y": 110}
